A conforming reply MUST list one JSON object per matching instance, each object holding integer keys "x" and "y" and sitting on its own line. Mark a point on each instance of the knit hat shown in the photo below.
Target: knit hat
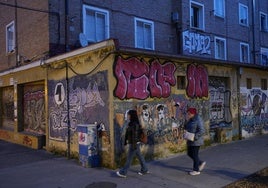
{"x": 192, "y": 110}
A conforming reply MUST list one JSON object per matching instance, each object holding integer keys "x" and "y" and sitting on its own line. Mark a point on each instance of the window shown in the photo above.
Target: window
{"x": 264, "y": 56}
{"x": 243, "y": 14}
{"x": 197, "y": 15}
{"x": 263, "y": 22}
{"x": 181, "y": 82}
{"x": 144, "y": 34}
{"x": 264, "y": 84}
{"x": 244, "y": 52}
{"x": 219, "y": 8}
{"x": 10, "y": 37}
{"x": 95, "y": 23}
{"x": 220, "y": 48}
{"x": 249, "y": 83}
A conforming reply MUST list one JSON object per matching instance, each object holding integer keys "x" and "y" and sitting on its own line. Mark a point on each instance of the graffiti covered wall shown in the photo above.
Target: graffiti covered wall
{"x": 7, "y": 107}
{"x": 254, "y": 111}
{"x": 220, "y": 107}
{"x": 34, "y": 108}
{"x": 88, "y": 103}
{"x": 162, "y": 113}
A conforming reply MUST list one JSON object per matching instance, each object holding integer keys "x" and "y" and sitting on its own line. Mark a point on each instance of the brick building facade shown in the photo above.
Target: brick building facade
{"x": 64, "y": 64}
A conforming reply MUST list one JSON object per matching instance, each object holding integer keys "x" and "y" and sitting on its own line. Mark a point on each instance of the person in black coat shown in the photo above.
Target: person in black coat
{"x": 132, "y": 138}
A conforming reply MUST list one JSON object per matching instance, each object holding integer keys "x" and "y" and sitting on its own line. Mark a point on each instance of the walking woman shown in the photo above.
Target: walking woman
{"x": 132, "y": 138}
{"x": 195, "y": 125}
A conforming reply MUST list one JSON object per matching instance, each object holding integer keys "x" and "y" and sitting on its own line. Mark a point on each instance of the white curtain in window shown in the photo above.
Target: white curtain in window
{"x": 219, "y": 7}
{"x": 243, "y": 14}
{"x": 220, "y": 54}
{"x": 100, "y": 27}
{"x": 10, "y": 38}
{"x": 96, "y": 26}
{"x": 147, "y": 36}
{"x": 90, "y": 30}
{"x": 140, "y": 34}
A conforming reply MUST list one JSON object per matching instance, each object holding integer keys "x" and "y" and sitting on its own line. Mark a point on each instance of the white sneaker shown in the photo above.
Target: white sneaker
{"x": 143, "y": 173}
{"x": 194, "y": 173}
{"x": 202, "y": 166}
{"x": 120, "y": 175}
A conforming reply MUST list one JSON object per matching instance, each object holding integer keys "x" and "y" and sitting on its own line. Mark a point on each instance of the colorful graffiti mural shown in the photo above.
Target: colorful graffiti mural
{"x": 163, "y": 121}
{"x": 34, "y": 108}
{"x": 7, "y": 110}
{"x": 137, "y": 79}
{"x": 88, "y": 98}
{"x": 254, "y": 111}
{"x": 197, "y": 77}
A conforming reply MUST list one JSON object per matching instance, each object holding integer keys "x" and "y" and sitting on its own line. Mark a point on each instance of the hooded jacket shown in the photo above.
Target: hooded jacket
{"x": 133, "y": 134}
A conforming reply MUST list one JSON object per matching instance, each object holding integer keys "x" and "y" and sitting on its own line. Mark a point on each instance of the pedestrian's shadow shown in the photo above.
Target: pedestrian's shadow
{"x": 170, "y": 166}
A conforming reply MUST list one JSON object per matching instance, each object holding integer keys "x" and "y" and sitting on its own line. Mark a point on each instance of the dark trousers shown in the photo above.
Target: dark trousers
{"x": 193, "y": 153}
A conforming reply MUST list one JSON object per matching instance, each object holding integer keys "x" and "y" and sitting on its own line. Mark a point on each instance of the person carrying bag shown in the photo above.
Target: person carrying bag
{"x": 133, "y": 139}
{"x": 194, "y": 132}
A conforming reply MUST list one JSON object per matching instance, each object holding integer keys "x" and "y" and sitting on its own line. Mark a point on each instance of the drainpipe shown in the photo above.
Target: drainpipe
{"x": 68, "y": 113}
{"x": 16, "y": 34}
{"x": 238, "y": 74}
{"x": 67, "y": 47}
{"x": 253, "y": 31}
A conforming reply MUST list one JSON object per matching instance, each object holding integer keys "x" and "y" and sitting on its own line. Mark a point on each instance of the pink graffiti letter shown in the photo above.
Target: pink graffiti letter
{"x": 161, "y": 77}
{"x": 132, "y": 79}
{"x": 197, "y": 81}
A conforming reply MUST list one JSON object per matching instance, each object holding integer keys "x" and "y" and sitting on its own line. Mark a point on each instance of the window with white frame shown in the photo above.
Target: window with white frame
{"x": 263, "y": 22}
{"x": 264, "y": 56}
{"x": 244, "y": 52}
{"x": 243, "y": 14}
{"x": 220, "y": 48}
{"x": 197, "y": 15}
{"x": 219, "y": 8}
{"x": 95, "y": 23}
{"x": 144, "y": 34}
{"x": 10, "y": 37}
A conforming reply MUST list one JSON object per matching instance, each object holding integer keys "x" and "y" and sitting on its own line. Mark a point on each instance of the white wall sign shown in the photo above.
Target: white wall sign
{"x": 59, "y": 93}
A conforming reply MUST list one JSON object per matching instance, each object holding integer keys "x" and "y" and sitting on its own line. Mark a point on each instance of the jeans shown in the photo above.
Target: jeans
{"x": 132, "y": 152}
{"x": 193, "y": 152}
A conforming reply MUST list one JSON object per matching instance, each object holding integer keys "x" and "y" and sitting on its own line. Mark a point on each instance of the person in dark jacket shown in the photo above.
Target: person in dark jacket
{"x": 132, "y": 138}
{"x": 195, "y": 125}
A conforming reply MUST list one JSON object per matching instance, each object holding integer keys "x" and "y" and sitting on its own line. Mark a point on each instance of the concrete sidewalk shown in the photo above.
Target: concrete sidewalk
{"x": 24, "y": 167}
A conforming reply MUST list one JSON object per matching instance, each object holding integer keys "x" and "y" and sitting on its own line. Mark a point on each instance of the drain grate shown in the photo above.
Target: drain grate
{"x": 103, "y": 184}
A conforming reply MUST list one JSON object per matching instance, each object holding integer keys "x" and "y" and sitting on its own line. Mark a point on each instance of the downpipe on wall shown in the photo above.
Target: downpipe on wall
{"x": 68, "y": 111}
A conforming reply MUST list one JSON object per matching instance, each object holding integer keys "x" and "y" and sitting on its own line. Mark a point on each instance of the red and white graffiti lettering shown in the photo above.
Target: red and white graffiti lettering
{"x": 197, "y": 77}
{"x": 135, "y": 79}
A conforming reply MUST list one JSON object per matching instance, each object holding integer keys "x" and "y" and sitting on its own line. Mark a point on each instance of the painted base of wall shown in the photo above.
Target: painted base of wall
{"x": 28, "y": 140}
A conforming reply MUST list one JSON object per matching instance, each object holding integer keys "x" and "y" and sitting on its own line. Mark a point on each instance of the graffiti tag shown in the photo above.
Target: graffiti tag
{"x": 197, "y": 77}
{"x": 195, "y": 42}
{"x": 136, "y": 79}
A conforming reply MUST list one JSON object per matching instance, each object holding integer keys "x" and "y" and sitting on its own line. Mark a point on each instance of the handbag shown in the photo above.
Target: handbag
{"x": 143, "y": 136}
{"x": 188, "y": 136}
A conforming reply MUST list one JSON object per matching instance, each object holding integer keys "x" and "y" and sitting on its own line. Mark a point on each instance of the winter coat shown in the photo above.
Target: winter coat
{"x": 196, "y": 125}
{"x": 133, "y": 134}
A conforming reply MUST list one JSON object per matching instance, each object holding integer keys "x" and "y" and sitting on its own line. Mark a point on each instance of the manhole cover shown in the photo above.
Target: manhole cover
{"x": 102, "y": 185}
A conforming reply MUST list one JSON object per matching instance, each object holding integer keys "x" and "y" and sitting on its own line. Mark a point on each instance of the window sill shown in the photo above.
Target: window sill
{"x": 197, "y": 29}
{"x": 10, "y": 52}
